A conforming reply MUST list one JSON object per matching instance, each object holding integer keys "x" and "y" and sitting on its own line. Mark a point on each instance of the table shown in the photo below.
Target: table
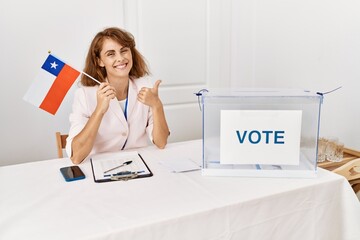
{"x": 36, "y": 203}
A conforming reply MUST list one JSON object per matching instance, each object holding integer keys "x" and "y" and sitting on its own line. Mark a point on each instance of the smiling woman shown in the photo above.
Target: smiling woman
{"x": 124, "y": 110}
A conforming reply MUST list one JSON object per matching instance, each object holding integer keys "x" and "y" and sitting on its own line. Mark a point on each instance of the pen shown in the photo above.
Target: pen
{"x": 124, "y": 164}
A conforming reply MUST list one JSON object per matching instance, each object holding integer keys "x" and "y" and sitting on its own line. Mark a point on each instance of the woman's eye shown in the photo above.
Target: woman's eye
{"x": 110, "y": 54}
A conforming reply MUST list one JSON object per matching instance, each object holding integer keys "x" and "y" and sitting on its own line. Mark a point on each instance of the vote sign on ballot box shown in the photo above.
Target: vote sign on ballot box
{"x": 260, "y": 132}
{"x": 260, "y": 137}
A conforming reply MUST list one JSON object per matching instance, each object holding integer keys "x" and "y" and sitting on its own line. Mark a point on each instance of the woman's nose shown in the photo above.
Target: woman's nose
{"x": 119, "y": 57}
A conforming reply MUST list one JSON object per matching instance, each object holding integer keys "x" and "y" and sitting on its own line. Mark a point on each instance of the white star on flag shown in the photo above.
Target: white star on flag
{"x": 54, "y": 65}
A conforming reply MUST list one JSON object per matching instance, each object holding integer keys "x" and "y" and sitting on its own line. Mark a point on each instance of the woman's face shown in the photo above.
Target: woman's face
{"x": 116, "y": 59}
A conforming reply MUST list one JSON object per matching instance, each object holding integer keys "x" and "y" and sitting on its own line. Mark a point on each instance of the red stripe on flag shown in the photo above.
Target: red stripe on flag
{"x": 59, "y": 88}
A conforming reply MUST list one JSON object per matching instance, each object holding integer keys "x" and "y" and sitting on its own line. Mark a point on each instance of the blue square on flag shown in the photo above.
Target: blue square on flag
{"x": 53, "y": 65}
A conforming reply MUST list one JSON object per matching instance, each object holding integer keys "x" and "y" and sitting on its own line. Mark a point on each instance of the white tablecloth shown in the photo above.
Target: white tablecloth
{"x": 36, "y": 203}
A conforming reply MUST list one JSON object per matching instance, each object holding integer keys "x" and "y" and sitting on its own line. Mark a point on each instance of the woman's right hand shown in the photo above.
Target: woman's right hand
{"x": 104, "y": 94}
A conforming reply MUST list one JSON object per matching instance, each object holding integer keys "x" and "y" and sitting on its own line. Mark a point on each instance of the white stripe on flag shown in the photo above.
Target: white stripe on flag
{"x": 39, "y": 88}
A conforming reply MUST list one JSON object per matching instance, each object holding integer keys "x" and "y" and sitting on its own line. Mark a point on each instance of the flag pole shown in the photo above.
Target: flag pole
{"x": 91, "y": 77}
{"x": 84, "y": 73}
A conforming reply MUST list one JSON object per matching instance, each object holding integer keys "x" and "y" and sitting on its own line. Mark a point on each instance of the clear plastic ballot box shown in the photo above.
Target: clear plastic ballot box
{"x": 260, "y": 132}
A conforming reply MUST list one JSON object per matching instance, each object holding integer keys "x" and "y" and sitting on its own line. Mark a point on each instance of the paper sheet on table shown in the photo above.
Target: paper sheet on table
{"x": 178, "y": 165}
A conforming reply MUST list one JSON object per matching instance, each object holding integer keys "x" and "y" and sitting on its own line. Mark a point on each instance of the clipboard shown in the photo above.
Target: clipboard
{"x": 118, "y": 166}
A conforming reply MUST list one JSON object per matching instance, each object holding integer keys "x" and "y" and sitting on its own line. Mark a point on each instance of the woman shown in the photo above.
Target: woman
{"x": 125, "y": 110}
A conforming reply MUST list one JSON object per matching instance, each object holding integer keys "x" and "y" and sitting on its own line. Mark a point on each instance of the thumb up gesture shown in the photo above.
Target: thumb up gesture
{"x": 150, "y": 96}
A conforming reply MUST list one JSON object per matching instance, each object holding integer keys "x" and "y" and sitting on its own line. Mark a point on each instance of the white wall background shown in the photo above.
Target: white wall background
{"x": 28, "y": 30}
{"x": 190, "y": 45}
{"x": 308, "y": 44}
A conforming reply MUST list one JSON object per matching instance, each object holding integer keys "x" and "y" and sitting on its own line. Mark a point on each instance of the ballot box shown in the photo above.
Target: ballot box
{"x": 260, "y": 132}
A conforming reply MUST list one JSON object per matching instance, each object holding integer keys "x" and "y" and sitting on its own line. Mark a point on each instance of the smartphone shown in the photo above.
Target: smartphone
{"x": 72, "y": 173}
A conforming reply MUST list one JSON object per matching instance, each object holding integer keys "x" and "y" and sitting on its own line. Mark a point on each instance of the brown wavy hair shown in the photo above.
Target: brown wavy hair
{"x": 125, "y": 39}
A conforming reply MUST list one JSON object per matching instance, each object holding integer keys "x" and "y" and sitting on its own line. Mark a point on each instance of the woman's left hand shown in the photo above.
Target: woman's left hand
{"x": 150, "y": 96}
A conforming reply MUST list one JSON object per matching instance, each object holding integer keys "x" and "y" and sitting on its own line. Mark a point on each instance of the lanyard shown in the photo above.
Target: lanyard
{"x": 125, "y": 114}
{"x": 125, "y": 110}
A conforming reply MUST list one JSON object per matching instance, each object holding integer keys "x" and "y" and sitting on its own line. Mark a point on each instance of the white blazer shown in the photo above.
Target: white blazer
{"x": 114, "y": 130}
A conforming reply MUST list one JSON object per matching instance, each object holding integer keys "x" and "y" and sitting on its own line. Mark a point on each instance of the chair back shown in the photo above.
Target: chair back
{"x": 60, "y": 143}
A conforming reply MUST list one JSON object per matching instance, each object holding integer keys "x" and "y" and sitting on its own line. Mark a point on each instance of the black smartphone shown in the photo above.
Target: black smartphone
{"x": 72, "y": 173}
